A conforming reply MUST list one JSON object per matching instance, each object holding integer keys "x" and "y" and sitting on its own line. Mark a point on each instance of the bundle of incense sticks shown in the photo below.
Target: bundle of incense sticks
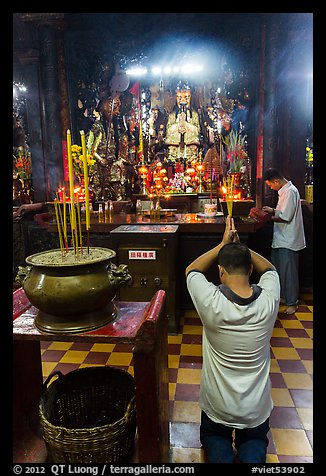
{"x": 74, "y": 205}
{"x": 61, "y": 220}
{"x": 228, "y": 183}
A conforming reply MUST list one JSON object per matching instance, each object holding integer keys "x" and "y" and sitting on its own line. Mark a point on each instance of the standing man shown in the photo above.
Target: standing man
{"x": 238, "y": 320}
{"x": 288, "y": 236}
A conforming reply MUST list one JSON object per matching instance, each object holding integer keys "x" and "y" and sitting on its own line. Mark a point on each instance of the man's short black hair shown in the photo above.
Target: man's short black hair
{"x": 272, "y": 174}
{"x": 235, "y": 258}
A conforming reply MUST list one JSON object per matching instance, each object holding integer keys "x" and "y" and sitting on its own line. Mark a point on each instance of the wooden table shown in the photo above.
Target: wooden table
{"x": 143, "y": 324}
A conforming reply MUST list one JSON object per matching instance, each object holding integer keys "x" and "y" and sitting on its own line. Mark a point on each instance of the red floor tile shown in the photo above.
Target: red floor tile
{"x": 283, "y": 417}
{"x": 281, "y": 342}
{"x": 293, "y": 366}
{"x": 305, "y": 354}
{"x": 277, "y": 380}
{"x": 192, "y": 339}
{"x": 53, "y": 355}
{"x": 185, "y": 392}
{"x": 99, "y": 358}
{"x": 81, "y": 346}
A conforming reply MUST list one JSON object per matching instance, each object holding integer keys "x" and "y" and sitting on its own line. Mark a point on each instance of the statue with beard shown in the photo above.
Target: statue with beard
{"x": 183, "y": 128}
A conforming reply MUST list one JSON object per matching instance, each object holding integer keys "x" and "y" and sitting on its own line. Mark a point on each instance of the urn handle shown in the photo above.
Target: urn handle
{"x": 22, "y": 274}
{"x": 119, "y": 275}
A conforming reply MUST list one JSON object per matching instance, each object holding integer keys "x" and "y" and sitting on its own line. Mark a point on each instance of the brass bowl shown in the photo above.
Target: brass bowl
{"x": 73, "y": 295}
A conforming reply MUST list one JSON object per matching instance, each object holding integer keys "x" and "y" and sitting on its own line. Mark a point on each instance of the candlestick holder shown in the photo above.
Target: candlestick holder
{"x": 143, "y": 171}
{"x": 200, "y": 169}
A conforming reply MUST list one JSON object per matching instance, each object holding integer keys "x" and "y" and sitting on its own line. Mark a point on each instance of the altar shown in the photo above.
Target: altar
{"x": 192, "y": 235}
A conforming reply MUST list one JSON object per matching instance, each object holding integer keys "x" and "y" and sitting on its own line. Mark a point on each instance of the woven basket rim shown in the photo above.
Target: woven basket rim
{"x": 125, "y": 418}
{"x": 97, "y": 368}
{"x": 63, "y": 378}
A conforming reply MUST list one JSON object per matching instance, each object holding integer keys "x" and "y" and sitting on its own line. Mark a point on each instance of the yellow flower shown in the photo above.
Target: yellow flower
{"x": 76, "y": 148}
{"x": 78, "y": 161}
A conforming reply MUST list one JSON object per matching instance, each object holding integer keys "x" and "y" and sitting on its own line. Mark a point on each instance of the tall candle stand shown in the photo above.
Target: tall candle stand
{"x": 143, "y": 171}
{"x": 200, "y": 169}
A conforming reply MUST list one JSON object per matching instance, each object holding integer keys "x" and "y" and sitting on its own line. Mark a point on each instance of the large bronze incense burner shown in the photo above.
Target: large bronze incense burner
{"x": 74, "y": 293}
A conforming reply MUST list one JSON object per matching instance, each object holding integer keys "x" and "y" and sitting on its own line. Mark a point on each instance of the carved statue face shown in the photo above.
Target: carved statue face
{"x": 124, "y": 141}
{"x": 107, "y": 107}
{"x": 183, "y": 97}
{"x": 155, "y": 112}
{"x": 96, "y": 114}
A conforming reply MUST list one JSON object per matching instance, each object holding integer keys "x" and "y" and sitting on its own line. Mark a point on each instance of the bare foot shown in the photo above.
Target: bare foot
{"x": 291, "y": 310}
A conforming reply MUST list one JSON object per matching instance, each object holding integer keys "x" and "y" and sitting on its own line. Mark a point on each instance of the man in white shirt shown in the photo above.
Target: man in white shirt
{"x": 238, "y": 320}
{"x": 288, "y": 236}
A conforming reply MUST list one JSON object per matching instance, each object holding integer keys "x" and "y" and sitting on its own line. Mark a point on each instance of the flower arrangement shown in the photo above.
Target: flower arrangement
{"x": 178, "y": 183}
{"x": 77, "y": 161}
{"x": 235, "y": 150}
{"x": 23, "y": 163}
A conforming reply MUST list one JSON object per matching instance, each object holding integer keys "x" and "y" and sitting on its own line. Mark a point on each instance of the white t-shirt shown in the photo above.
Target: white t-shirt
{"x": 235, "y": 383}
{"x": 289, "y": 235}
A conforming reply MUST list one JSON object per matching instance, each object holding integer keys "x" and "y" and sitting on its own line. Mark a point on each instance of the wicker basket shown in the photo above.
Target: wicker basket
{"x": 89, "y": 416}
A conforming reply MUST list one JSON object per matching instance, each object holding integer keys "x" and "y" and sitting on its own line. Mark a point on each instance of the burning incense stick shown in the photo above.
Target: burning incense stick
{"x": 79, "y": 226}
{"x": 65, "y": 245}
{"x": 58, "y": 226}
{"x": 82, "y": 136}
{"x": 88, "y": 241}
{"x": 65, "y": 236}
{"x": 71, "y": 188}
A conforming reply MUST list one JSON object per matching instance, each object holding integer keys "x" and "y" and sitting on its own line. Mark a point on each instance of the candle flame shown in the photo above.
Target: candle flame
{"x": 143, "y": 170}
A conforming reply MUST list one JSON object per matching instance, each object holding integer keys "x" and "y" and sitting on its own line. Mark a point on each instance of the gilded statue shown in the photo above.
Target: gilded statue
{"x": 183, "y": 128}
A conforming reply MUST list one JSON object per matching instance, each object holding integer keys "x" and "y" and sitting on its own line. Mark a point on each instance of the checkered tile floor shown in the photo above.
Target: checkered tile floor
{"x": 291, "y": 375}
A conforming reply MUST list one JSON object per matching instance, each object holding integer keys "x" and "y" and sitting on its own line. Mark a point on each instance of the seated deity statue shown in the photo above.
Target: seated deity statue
{"x": 183, "y": 129}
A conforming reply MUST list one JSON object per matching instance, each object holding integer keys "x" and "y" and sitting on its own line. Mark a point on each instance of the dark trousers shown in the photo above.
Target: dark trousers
{"x": 287, "y": 264}
{"x": 217, "y": 439}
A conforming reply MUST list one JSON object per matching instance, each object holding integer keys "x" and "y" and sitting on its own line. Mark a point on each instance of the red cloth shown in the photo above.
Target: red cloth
{"x": 135, "y": 90}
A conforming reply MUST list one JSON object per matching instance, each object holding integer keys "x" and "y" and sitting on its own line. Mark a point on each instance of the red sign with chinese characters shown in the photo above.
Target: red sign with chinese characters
{"x": 142, "y": 254}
